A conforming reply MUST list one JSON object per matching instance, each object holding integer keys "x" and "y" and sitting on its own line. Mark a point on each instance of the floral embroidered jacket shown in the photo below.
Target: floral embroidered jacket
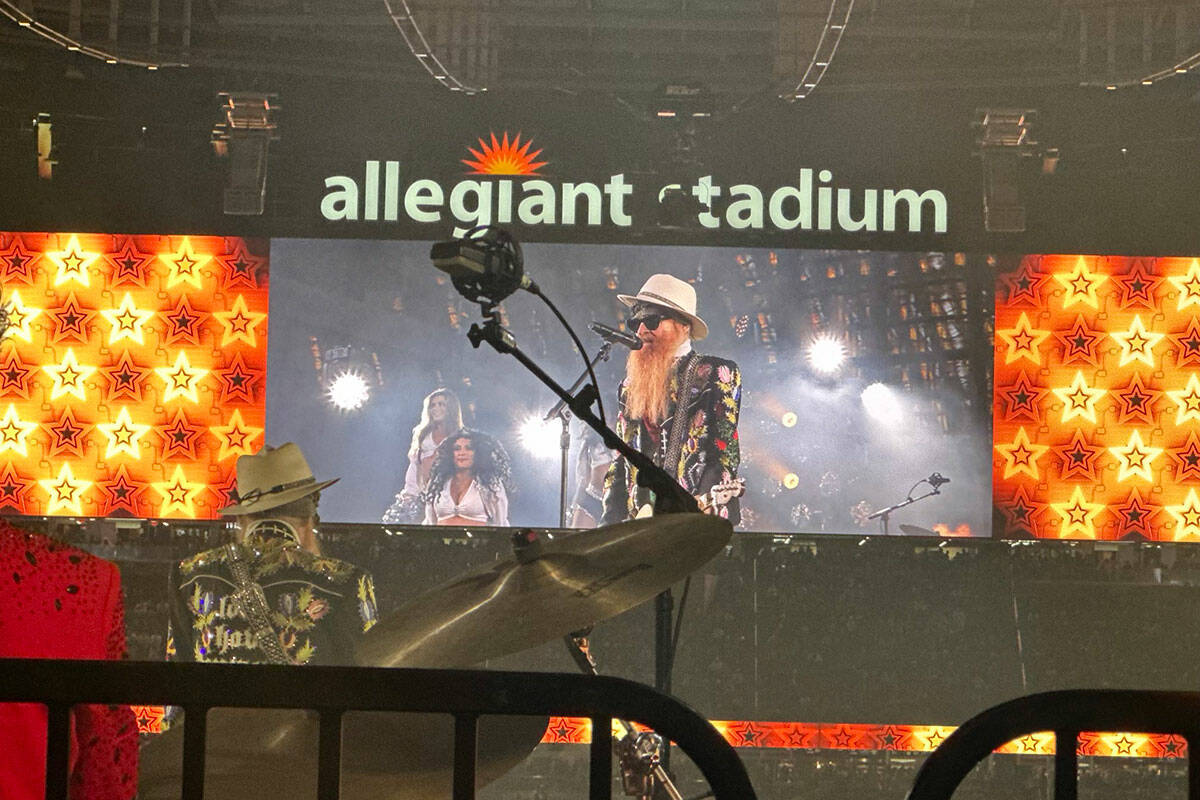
{"x": 319, "y": 606}
{"x": 709, "y": 454}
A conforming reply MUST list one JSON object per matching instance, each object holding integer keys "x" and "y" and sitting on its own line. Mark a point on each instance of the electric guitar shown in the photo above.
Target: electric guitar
{"x": 715, "y": 498}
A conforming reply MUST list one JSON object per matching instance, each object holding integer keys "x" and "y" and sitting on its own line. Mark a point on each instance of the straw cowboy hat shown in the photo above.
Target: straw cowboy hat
{"x": 673, "y": 294}
{"x": 272, "y": 477}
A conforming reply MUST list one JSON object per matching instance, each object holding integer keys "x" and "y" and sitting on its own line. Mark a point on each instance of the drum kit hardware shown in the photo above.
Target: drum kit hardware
{"x": 544, "y": 591}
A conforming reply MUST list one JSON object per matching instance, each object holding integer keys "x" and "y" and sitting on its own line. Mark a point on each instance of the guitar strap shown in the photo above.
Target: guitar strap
{"x": 679, "y": 422}
{"x": 252, "y": 602}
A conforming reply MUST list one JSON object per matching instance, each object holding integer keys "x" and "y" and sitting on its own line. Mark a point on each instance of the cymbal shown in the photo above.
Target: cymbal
{"x": 576, "y": 581}
{"x": 916, "y": 530}
{"x": 254, "y": 754}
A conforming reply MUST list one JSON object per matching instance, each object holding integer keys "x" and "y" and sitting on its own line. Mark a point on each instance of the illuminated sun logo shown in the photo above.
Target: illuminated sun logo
{"x": 504, "y": 157}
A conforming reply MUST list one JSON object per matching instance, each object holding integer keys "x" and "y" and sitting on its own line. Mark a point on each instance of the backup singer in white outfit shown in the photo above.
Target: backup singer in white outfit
{"x": 468, "y": 484}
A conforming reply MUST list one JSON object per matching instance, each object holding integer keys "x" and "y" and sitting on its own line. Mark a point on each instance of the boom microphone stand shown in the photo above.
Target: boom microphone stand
{"x": 935, "y": 481}
{"x": 561, "y": 411}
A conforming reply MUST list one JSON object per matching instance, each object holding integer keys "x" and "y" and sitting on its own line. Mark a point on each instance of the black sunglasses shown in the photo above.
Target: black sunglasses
{"x": 651, "y": 321}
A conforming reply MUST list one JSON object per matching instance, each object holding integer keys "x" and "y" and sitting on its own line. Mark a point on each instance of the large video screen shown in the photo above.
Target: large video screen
{"x": 862, "y": 375}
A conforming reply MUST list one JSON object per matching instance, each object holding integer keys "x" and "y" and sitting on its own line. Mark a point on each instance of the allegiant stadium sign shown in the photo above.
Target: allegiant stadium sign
{"x": 509, "y": 190}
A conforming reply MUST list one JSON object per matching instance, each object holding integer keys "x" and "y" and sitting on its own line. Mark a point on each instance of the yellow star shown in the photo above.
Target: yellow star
{"x": 19, "y": 317}
{"x": 1081, "y": 285}
{"x": 13, "y": 431}
{"x": 1188, "y": 400}
{"x": 1079, "y": 400}
{"x": 72, "y": 263}
{"x": 68, "y": 376}
{"x": 123, "y": 435}
{"x": 236, "y": 437}
{"x": 177, "y": 493}
{"x": 1188, "y": 286}
{"x": 126, "y": 321}
{"x": 1021, "y": 455}
{"x": 181, "y": 379}
{"x": 239, "y": 323}
{"x": 1187, "y": 516}
{"x": 1135, "y": 458}
{"x": 184, "y": 265}
{"x": 1078, "y": 515}
{"x": 65, "y": 491}
{"x": 1137, "y": 343}
{"x": 1023, "y": 341}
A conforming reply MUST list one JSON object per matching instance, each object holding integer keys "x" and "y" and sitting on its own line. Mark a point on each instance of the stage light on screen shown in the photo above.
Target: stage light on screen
{"x": 881, "y": 403}
{"x": 789, "y": 419}
{"x": 539, "y": 436}
{"x": 349, "y": 391}
{"x": 826, "y": 354}
{"x": 791, "y": 481}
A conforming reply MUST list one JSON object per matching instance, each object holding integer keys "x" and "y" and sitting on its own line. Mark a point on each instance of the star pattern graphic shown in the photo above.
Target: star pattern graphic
{"x": 129, "y": 267}
{"x": 65, "y": 492}
{"x": 1187, "y": 400}
{"x": 20, "y": 317}
{"x": 239, "y": 323}
{"x": 1079, "y": 399}
{"x": 14, "y": 432}
{"x": 1025, "y": 287}
{"x": 14, "y": 377}
{"x": 72, "y": 263}
{"x": 180, "y": 437}
{"x": 126, "y": 321}
{"x": 126, "y": 379}
{"x": 1136, "y": 343}
{"x": 16, "y": 264}
{"x": 241, "y": 269}
{"x": 1187, "y": 342}
{"x": 236, "y": 438}
{"x": 1079, "y": 459}
{"x": 1020, "y": 457}
{"x": 68, "y": 376}
{"x": 123, "y": 435}
{"x": 1187, "y": 459}
{"x": 1080, "y": 285}
{"x": 1023, "y": 341}
{"x": 181, "y": 379}
{"x": 1021, "y": 511}
{"x": 14, "y": 488}
{"x": 185, "y": 265}
{"x": 178, "y": 494}
{"x": 70, "y": 321}
{"x": 1135, "y": 459}
{"x": 1080, "y": 343}
{"x": 67, "y": 435}
{"x": 1135, "y": 515}
{"x": 120, "y": 493}
{"x": 1022, "y": 399}
{"x": 183, "y": 323}
{"x": 1136, "y": 402}
{"x": 238, "y": 383}
{"x": 1188, "y": 286}
{"x": 1078, "y": 515}
{"x": 1186, "y": 516}
{"x": 1137, "y": 287}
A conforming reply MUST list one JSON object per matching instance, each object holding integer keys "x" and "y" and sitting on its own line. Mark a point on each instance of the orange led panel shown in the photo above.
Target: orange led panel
{"x": 132, "y": 372}
{"x": 1096, "y": 417}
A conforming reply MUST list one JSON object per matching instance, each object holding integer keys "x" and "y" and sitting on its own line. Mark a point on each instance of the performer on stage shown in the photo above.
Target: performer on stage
{"x": 469, "y": 482}
{"x": 591, "y": 465}
{"x": 270, "y": 597}
{"x": 676, "y": 405}
{"x": 441, "y": 415}
{"x": 61, "y": 602}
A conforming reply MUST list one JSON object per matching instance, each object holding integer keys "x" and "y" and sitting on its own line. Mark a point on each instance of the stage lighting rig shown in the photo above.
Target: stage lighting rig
{"x": 1004, "y": 142}
{"x": 243, "y": 136}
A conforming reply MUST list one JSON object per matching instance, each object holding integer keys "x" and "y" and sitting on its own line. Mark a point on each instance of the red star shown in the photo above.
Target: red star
{"x": 129, "y": 266}
{"x": 180, "y": 437}
{"x": 237, "y": 382}
{"x": 1025, "y": 287}
{"x": 1137, "y": 402}
{"x": 14, "y": 377}
{"x": 1188, "y": 341}
{"x": 240, "y": 268}
{"x": 1138, "y": 287}
{"x": 1021, "y": 512}
{"x": 13, "y": 488}
{"x": 67, "y": 435}
{"x": 125, "y": 379}
{"x": 17, "y": 264}
{"x": 71, "y": 321}
{"x": 798, "y": 736}
{"x": 1022, "y": 399}
{"x": 1079, "y": 458}
{"x": 1079, "y": 343}
{"x": 1135, "y": 515}
{"x": 120, "y": 493}
{"x": 183, "y": 323}
{"x": 226, "y": 490}
{"x": 1187, "y": 459}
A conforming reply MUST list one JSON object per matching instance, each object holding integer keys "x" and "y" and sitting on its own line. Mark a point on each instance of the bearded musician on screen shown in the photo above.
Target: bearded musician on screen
{"x": 675, "y": 405}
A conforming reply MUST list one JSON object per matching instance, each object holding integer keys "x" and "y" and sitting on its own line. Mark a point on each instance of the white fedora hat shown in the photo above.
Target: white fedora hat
{"x": 272, "y": 477}
{"x": 672, "y": 294}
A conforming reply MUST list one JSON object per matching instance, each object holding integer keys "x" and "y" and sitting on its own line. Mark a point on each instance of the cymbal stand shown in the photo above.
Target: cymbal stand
{"x": 883, "y": 513}
{"x": 639, "y": 753}
{"x": 561, "y": 411}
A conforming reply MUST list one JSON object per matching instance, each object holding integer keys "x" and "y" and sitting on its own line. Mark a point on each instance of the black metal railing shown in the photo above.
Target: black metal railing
{"x": 1067, "y": 714}
{"x": 332, "y": 691}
